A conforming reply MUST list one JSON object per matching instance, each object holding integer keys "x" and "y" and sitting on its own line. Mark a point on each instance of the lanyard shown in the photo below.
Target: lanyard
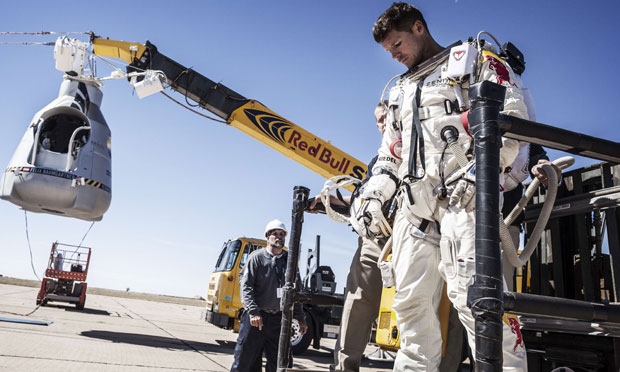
{"x": 279, "y": 269}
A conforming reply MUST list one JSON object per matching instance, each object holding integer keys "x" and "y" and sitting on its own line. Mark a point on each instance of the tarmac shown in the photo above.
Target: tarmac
{"x": 124, "y": 334}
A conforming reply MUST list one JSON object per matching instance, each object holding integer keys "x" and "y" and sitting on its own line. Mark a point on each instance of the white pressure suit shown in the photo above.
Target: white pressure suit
{"x": 422, "y": 222}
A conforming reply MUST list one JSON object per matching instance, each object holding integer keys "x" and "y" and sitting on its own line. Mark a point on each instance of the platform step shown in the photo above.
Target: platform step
{"x": 62, "y": 298}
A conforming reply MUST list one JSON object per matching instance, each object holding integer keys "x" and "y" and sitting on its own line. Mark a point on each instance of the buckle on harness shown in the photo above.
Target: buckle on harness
{"x": 451, "y": 107}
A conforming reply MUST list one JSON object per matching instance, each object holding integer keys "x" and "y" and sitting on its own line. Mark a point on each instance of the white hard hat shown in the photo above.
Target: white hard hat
{"x": 275, "y": 225}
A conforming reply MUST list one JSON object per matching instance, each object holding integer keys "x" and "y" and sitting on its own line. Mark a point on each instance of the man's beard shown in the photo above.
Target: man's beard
{"x": 277, "y": 244}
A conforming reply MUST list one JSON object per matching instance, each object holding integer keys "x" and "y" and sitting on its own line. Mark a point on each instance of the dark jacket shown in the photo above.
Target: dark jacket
{"x": 262, "y": 275}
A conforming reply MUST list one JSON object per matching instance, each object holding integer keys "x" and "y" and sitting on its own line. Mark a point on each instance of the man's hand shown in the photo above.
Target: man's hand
{"x": 303, "y": 328}
{"x": 539, "y": 173}
{"x": 462, "y": 187}
{"x": 315, "y": 201}
{"x": 256, "y": 321}
{"x": 333, "y": 201}
{"x": 463, "y": 195}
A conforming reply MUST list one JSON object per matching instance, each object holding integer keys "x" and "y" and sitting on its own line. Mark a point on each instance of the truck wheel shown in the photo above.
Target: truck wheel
{"x": 80, "y": 305}
{"x": 299, "y": 342}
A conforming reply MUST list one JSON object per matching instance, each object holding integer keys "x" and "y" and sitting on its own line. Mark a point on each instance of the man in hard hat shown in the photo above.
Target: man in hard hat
{"x": 261, "y": 291}
{"x": 433, "y": 188}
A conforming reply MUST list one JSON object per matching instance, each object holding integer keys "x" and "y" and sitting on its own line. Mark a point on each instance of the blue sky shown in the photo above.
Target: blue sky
{"x": 182, "y": 185}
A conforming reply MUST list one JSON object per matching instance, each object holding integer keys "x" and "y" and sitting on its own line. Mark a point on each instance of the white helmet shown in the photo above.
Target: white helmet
{"x": 275, "y": 225}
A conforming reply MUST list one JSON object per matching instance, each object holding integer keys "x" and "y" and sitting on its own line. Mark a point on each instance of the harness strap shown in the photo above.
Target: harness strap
{"x": 417, "y": 139}
{"x": 409, "y": 195}
{"x": 390, "y": 174}
{"x": 340, "y": 197}
{"x": 424, "y": 225}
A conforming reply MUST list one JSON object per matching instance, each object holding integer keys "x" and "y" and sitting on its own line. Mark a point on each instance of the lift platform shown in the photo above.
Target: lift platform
{"x": 65, "y": 276}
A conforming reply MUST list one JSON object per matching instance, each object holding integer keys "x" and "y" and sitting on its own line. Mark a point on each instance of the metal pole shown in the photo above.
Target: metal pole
{"x": 537, "y": 305}
{"x": 485, "y": 296}
{"x": 300, "y": 201}
{"x": 318, "y": 251}
{"x": 559, "y": 139}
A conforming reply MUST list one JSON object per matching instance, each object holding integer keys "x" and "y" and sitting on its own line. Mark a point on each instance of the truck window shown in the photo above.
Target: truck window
{"x": 229, "y": 256}
{"x": 219, "y": 259}
{"x": 249, "y": 248}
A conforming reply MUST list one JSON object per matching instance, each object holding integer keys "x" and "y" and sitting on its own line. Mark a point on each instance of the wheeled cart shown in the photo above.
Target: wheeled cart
{"x": 65, "y": 276}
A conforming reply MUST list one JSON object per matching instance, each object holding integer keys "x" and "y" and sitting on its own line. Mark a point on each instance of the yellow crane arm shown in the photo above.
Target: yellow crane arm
{"x": 247, "y": 115}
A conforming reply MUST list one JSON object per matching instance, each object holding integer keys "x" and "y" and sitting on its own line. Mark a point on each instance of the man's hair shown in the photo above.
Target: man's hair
{"x": 399, "y": 17}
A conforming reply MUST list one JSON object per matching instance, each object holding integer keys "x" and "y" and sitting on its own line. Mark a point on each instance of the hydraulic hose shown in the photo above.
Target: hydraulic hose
{"x": 459, "y": 154}
{"x": 508, "y": 247}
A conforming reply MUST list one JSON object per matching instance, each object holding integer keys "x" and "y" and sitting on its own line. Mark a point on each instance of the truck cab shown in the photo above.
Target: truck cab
{"x": 223, "y": 297}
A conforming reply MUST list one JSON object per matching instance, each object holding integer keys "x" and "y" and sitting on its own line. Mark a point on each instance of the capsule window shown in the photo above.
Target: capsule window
{"x": 56, "y": 132}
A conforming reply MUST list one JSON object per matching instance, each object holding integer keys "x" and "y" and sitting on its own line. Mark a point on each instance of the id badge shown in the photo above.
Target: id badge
{"x": 279, "y": 293}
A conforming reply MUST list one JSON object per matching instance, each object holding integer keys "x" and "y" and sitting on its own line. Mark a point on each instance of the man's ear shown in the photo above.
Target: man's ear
{"x": 417, "y": 27}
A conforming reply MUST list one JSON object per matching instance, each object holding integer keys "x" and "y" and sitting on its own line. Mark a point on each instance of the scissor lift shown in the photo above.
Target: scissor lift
{"x": 65, "y": 276}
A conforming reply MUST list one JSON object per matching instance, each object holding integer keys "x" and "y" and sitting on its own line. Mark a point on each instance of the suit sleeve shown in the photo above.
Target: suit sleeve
{"x": 381, "y": 185}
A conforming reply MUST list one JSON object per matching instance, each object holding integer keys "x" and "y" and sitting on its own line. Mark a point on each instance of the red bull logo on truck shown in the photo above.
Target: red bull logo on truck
{"x": 288, "y": 135}
{"x": 320, "y": 152}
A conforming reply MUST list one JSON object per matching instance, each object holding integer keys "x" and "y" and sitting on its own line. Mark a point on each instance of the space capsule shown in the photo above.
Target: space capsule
{"x": 62, "y": 165}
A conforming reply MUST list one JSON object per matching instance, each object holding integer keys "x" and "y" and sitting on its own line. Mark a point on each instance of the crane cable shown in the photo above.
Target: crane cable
{"x": 29, "y": 247}
{"x": 27, "y": 43}
{"x": 192, "y": 110}
{"x": 46, "y": 33}
{"x": 39, "y": 33}
{"x": 82, "y": 241}
{"x": 33, "y": 270}
{"x": 187, "y": 106}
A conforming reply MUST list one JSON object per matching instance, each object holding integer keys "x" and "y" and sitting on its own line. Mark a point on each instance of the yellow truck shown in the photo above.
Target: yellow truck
{"x": 224, "y": 301}
{"x": 223, "y": 296}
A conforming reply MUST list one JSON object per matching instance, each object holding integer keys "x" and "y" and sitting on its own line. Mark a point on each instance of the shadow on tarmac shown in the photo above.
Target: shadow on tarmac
{"x": 160, "y": 341}
{"x": 73, "y": 309}
{"x": 89, "y": 311}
